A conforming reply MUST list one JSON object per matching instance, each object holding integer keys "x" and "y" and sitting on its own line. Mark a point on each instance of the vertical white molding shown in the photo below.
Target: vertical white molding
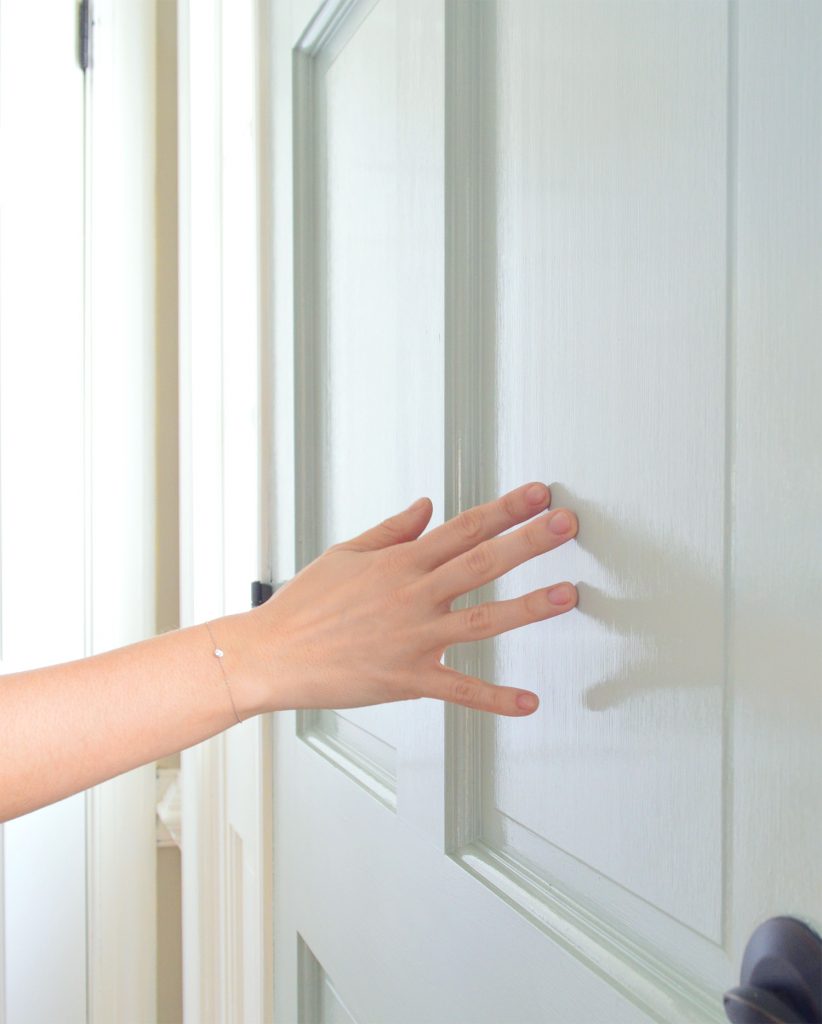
{"x": 120, "y": 408}
{"x": 268, "y": 569}
{"x": 224, "y": 781}
{"x": 201, "y": 482}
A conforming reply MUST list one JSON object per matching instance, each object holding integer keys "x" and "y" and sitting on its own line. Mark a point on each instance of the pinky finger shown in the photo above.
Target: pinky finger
{"x": 449, "y": 685}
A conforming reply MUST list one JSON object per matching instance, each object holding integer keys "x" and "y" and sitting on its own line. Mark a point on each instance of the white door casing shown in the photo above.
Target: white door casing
{"x": 122, "y": 437}
{"x": 225, "y": 781}
{"x": 578, "y": 243}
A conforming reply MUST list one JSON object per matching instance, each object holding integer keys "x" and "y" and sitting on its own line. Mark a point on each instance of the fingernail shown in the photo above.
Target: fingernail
{"x": 562, "y": 593}
{"x": 536, "y": 494}
{"x": 527, "y": 701}
{"x": 417, "y": 504}
{"x": 560, "y": 522}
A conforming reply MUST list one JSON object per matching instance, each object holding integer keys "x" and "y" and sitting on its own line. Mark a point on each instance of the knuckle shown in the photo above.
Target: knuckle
{"x": 462, "y": 691}
{"x": 391, "y": 529}
{"x": 478, "y": 620}
{"x": 493, "y": 699}
{"x": 470, "y": 523}
{"x": 394, "y": 558}
{"x": 535, "y": 605}
{"x": 533, "y": 538}
{"x": 399, "y": 597}
{"x": 509, "y": 507}
{"x": 409, "y": 688}
{"x": 480, "y": 560}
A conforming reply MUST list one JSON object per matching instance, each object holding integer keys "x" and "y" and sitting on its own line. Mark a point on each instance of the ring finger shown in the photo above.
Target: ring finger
{"x": 494, "y": 617}
{"x": 492, "y": 558}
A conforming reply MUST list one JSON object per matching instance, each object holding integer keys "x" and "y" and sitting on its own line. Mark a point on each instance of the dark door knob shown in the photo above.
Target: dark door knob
{"x": 781, "y": 980}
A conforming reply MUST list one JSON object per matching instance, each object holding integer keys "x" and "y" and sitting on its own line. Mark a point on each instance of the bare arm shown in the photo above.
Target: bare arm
{"x": 365, "y": 623}
{"x": 66, "y": 727}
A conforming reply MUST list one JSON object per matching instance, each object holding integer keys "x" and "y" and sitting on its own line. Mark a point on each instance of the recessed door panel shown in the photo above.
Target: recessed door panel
{"x": 372, "y": 123}
{"x": 612, "y": 284}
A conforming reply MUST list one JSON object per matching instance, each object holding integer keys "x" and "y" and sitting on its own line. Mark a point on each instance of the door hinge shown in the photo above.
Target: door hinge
{"x": 260, "y": 593}
{"x": 84, "y": 34}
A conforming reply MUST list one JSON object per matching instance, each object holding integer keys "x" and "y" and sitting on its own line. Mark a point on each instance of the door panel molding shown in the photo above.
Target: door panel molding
{"x": 364, "y": 757}
{"x": 470, "y": 353}
{"x": 618, "y": 935}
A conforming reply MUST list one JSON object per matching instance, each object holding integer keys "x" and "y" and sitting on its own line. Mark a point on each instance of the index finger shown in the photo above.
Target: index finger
{"x": 477, "y": 524}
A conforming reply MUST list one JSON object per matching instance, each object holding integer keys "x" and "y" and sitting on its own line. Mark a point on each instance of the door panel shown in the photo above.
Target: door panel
{"x": 371, "y": 319}
{"x": 555, "y": 240}
{"x": 611, "y": 156}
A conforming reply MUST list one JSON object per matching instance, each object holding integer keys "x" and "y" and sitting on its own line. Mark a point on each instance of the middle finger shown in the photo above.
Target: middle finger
{"x": 482, "y": 522}
{"x": 493, "y": 558}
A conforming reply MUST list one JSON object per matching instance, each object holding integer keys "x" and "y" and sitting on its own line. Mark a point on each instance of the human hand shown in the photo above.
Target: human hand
{"x": 367, "y": 622}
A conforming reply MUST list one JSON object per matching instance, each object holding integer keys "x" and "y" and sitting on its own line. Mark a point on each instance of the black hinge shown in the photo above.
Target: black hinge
{"x": 260, "y": 593}
{"x": 84, "y": 34}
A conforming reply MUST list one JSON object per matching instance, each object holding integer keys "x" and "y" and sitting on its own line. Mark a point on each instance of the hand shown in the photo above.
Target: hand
{"x": 369, "y": 620}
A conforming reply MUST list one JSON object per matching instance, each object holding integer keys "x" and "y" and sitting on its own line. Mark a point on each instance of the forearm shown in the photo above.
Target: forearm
{"x": 67, "y": 727}
{"x": 365, "y": 623}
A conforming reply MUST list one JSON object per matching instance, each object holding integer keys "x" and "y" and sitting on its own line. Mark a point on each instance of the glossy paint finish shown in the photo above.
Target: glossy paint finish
{"x": 630, "y": 305}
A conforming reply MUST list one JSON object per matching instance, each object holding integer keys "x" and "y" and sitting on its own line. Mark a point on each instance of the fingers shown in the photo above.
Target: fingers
{"x": 486, "y": 620}
{"x": 404, "y": 526}
{"x": 452, "y": 686}
{"x": 493, "y": 558}
{"x": 466, "y": 530}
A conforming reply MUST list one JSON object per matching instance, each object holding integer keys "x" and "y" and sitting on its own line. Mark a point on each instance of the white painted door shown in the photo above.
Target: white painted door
{"x": 77, "y": 492}
{"x": 578, "y": 242}
{"x": 43, "y": 893}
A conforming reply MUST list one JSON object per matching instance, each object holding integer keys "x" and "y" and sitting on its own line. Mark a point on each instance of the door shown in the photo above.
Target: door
{"x": 78, "y": 500}
{"x": 43, "y": 894}
{"x": 580, "y": 243}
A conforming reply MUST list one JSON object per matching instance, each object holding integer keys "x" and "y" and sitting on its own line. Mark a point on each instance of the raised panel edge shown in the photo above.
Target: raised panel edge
{"x": 631, "y": 968}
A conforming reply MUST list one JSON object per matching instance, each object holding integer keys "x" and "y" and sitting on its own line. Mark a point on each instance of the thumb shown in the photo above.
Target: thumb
{"x": 404, "y": 526}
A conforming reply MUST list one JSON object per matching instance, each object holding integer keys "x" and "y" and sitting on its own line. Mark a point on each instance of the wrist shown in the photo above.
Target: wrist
{"x": 247, "y": 661}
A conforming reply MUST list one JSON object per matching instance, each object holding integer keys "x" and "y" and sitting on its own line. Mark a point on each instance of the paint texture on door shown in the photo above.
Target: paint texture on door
{"x": 372, "y": 318}
{"x": 574, "y": 242}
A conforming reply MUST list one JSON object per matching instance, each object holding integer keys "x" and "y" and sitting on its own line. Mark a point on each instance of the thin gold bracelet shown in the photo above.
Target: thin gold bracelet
{"x": 218, "y": 654}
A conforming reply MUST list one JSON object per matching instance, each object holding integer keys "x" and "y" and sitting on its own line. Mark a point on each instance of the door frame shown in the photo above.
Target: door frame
{"x": 111, "y": 886}
{"x": 121, "y": 849}
{"x": 225, "y": 781}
